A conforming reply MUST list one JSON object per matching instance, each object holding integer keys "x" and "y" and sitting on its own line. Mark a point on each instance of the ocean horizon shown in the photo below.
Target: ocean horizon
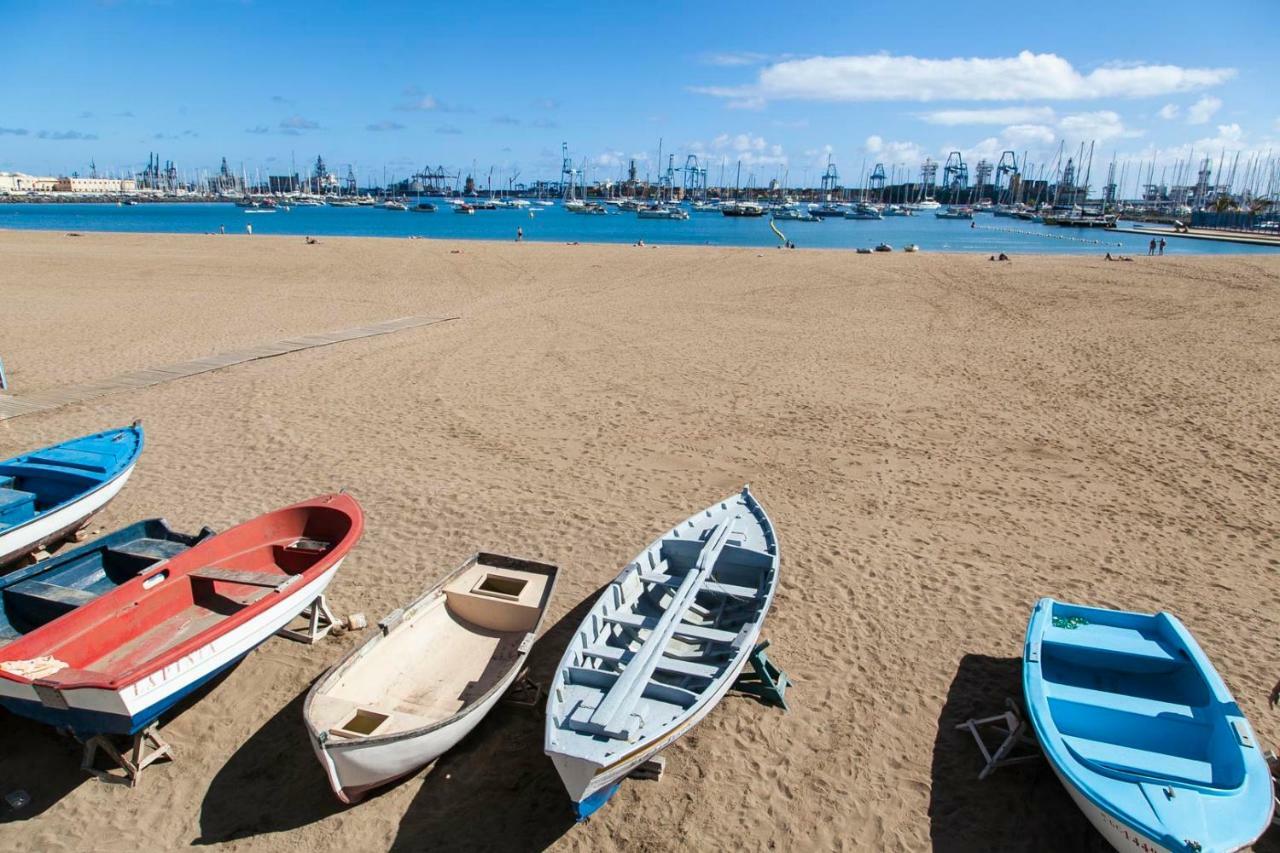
{"x": 554, "y": 224}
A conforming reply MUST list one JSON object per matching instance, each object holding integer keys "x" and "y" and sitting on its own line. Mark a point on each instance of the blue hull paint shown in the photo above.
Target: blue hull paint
{"x": 88, "y": 723}
{"x": 592, "y": 804}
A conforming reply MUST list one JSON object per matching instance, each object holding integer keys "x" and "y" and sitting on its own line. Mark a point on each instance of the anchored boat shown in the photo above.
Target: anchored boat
{"x": 661, "y": 647}
{"x": 1142, "y": 731}
{"x": 41, "y": 593}
{"x": 409, "y": 693}
{"x": 47, "y": 494}
{"x": 115, "y": 664}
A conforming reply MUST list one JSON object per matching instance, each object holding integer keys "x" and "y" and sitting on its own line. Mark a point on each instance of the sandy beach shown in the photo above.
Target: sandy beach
{"x": 941, "y": 440}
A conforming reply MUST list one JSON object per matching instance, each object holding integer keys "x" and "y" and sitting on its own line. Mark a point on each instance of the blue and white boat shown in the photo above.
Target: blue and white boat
{"x": 47, "y": 494}
{"x": 40, "y": 593}
{"x": 1142, "y": 731}
{"x": 660, "y": 647}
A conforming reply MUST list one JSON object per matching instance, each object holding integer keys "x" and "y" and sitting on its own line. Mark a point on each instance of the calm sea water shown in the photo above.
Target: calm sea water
{"x": 554, "y": 224}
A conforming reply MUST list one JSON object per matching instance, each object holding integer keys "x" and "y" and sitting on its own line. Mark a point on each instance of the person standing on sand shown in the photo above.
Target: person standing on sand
{"x": 1151, "y": 249}
{"x": 1162, "y": 244}
{"x": 519, "y": 234}
{"x": 248, "y": 228}
{"x": 222, "y": 229}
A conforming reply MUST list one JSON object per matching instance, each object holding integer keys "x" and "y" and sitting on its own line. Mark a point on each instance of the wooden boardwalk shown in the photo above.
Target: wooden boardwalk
{"x": 43, "y": 401}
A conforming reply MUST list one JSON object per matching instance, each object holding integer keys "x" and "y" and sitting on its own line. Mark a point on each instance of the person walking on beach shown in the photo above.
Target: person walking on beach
{"x": 222, "y": 229}
{"x": 519, "y": 234}
{"x": 1162, "y": 245}
{"x": 248, "y": 228}
{"x": 1151, "y": 249}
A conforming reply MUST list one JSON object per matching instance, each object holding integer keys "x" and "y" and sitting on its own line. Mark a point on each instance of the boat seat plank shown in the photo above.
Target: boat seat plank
{"x": 675, "y": 666}
{"x": 267, "y": 579}
{"x": 1106, "y": 638}
{"x": 16, "y": 506}
{"x": 1118, "y": 701}
{"x": 48, "y": 593}
{"x": 150, "y": 549}
{"x": 1144, "y": 762}
{"x": 713, "y": 586}
{"x": 697, "y": 632}
{"x": 631, "y": 620}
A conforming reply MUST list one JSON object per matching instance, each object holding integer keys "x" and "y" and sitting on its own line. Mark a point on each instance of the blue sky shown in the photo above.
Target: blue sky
{"x": 501, "y": 85}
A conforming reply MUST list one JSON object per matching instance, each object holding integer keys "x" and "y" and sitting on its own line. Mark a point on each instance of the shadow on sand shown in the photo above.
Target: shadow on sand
{"x": 497, "y": 790}
{"x": 46, "y": 763}
{"x": 271, "y": 784}
{"x": 1022, "y": 807}
{"x": 38, "y": 760}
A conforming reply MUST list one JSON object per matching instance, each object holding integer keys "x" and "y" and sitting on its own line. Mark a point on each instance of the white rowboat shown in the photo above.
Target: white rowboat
{"x": 416, "y": 688}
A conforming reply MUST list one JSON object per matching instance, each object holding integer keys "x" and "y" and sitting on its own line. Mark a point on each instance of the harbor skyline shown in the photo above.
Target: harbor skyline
{"x": 384, "y": 100}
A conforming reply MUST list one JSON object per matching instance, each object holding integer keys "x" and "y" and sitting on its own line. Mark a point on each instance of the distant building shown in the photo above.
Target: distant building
{"x": 283, "y": 183}
{"x": 19, "y": 182}
{"x": 95, "y": 185}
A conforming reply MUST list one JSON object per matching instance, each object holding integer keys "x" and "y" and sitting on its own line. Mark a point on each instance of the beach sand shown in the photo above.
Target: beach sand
{"x": 940, "y": 440}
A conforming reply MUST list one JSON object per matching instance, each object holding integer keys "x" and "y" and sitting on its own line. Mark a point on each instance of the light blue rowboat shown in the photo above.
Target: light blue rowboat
{"x": 660, "y": 647}
{"x": 1142, "y": 731}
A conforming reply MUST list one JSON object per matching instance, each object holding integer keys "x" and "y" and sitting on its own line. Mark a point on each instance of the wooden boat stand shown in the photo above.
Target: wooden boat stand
{"x": 147, "y": 748}
{"x": 766, "y": 682}
{"x": 320, "y": 621}
{"x": 1274, "y": 763}
{"x": 524, "y": 692}
{"x": 1014, "y": 732}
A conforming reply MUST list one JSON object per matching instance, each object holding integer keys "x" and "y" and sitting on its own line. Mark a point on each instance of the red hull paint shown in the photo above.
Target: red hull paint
{"x": 145, "y": 624}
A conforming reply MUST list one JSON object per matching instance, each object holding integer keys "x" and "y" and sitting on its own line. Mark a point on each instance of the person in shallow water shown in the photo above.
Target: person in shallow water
{"x": 519, "y": 234}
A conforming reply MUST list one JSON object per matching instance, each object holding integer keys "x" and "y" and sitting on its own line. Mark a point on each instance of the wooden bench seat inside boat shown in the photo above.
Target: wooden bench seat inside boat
{"x": 39, "y": 602}
{"x": 16, "y": 506}
{"x": 443, "y": 655}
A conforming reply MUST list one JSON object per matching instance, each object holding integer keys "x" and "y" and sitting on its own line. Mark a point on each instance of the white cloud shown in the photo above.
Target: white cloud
{"x": 733, "y": 60}
{"x": 1028, "y": 75}
{"x": 1028, "y": 135}
{"x": 1169, "y": 112}
{"x": 1202, "y": 110}
{"x": 1001, "y": 115}
{"x": 746, "y": 104}
{"x": 752, "y": 150}
{"x": 1101, "y": 125}
{"x": 893, "y": 152}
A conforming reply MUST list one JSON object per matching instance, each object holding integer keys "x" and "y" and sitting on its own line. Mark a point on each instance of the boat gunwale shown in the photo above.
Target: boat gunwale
{"x": 322, "y": 739}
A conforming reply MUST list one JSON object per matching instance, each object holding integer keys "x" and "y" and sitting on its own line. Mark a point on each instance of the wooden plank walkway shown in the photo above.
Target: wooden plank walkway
{"x": 53, "y": 398}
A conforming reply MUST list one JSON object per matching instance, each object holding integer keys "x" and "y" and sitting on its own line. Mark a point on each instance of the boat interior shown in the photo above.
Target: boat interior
{"x": 668, "y": 631}
{"x": 40, "y": 481}
{"x": 441, "y": 655}
{"x": 38, "y": 594}
{"x": 185, "y": 598}
{"x": 1129, "y": 700}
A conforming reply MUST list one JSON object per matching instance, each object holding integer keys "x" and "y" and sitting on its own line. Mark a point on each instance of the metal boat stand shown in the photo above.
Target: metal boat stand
{"x": 147, "y": 748}
{"x": 320, "y": 621}
{"x": 766, "y": 682}
{"x": 1015, "y": 733}
{"x": 1273, "y": 762}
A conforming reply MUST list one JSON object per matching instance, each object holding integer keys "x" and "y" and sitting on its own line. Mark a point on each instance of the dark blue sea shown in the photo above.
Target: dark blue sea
{"x": 556, "y": 225}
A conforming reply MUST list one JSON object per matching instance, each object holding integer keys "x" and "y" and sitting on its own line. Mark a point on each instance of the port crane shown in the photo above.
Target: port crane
{"x": 955, "y": 174}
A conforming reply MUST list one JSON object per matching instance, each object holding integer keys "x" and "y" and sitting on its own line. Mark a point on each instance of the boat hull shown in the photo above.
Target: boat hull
{"x": 1118, "y": 835}
{"x": 356, "y": 768}
{"x": 588, "y": 800}
{"x": 57, "y": 525}
{"x": 132, "y": 707}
